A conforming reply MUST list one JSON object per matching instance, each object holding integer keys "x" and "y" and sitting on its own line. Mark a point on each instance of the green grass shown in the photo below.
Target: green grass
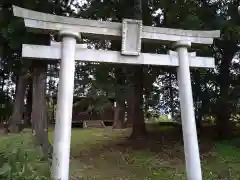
{"x": 20, "y": 159}
{"x": 106, "y": 154}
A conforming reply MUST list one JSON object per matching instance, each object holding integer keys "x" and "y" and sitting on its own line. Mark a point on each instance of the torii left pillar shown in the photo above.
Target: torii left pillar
{"x": 63, "y": 126}
{"x": 191, "y": 149}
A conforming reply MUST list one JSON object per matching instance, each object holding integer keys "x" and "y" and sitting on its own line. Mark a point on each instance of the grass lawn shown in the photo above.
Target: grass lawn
{"x": 107, "y": 154}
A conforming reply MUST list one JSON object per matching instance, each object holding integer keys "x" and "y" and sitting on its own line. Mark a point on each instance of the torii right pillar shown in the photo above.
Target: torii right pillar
{"x": 191, "y": 149}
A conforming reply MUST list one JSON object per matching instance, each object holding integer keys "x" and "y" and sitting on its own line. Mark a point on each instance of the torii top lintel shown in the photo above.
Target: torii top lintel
{"x": 49, "y": 22}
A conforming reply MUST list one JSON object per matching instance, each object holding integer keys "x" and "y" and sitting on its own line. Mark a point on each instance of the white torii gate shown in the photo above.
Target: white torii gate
{"x": 132, "y": 33}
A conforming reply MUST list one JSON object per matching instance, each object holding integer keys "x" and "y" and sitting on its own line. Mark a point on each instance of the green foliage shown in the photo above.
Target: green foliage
{"x": 157, "y": 119}
{"x": 210, "y": 120}
{"x": 21, "y": 161}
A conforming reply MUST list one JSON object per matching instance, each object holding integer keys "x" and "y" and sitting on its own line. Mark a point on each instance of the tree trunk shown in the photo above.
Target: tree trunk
{"x": 197, "y": 97}
{"x": 138, "y": 128}
{"x": 39, "y": 111}
{"x": 223, "y": 124}
{"x": 29, "y": 104}
{"x": 129, "y": 108}
{"x": 223, "y": 114}
{"x": 119, "y": 115}
{"x": 18, "y": 108}
{"x": 3, "y": 82}
{"x": 119, "y": 112}
{"x": 171, "y": 94}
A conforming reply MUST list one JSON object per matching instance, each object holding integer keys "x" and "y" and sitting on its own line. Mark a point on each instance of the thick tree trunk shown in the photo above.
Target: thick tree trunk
{"x": 119, "y": 112}
{"x": 223, "y": 123}
{"x": 120, "y": 100}
{"x": 223, "y": 115}
{"x": 39, "y": 111}
{"x": 138, "y": 128}
{"x": 18, "y": 109}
